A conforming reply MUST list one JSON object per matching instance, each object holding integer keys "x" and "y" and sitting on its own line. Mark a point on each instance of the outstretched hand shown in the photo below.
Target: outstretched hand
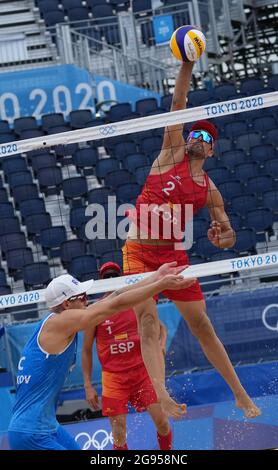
{"x": 170, "y": 268}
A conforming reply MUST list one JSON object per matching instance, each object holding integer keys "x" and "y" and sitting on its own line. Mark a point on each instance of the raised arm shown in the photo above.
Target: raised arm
{"x": 69, "y": 322}
{"x": 172, "y": 150}
{"x": 220, "y": 233}
{"x": 87, "y": 366}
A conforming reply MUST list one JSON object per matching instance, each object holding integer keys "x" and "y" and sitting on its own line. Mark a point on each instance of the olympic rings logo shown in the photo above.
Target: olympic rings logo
{"x": 133, "y": 280}
{"x": 94, "y": 440}
{"x": 264, "y": 320}
{"x": 107, "y": 130}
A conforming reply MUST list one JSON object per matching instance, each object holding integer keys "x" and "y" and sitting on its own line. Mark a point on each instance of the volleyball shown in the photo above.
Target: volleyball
{"x": 187, "y": 43}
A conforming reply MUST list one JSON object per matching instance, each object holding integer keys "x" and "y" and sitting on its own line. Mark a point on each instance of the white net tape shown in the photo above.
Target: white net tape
{"x": 240, "y": 105}
{"x": 223, "y": 108}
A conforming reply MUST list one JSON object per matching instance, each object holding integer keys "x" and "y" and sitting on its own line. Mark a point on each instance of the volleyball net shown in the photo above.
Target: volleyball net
{"x": 65, "y": 196}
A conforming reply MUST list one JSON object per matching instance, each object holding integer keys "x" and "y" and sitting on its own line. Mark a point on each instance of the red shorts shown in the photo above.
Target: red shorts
{"x": 119, "y": 388}
{"x": 140, "y": 258}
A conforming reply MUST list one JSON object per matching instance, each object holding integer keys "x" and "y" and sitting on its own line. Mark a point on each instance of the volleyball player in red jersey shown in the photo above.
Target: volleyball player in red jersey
{"x": 177, "y": 178}
{"x": 124, "y": 376}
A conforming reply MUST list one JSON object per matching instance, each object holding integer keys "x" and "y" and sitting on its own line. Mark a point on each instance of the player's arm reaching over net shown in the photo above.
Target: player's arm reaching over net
{"x": 172, "y": 151}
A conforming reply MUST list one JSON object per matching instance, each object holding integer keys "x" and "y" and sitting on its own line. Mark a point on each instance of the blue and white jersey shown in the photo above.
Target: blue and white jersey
{"x": 40, "y": 378}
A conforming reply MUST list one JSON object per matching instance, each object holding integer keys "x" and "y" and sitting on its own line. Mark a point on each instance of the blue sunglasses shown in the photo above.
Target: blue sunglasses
{"x": 206, "y": 137}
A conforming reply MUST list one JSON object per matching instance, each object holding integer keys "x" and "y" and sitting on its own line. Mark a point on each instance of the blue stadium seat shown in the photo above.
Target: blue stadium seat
{"x": 13, "y": 164}
{"x": 150, "y": 145}
{"x": 106, "y": 165}
{"x": 112, "y": 35}
{"x": 230, "y": 189}
{"x": 260, "y": 219}
{"x": 271, "y": 167}
{"x": 98, "y": 246}
{"x": 273, "y": 82}
{"x": 71, "y": 249}
{"x": 146, "y": 105}
{"x": 18, "y": 258}
{"x": 3, "y": 279}
{"x": 67, "y": 4}
{"x": 9, "y": 225}
{"x": 1, "y": 182}
{"x": 224, "y": 254}
{"x": 263, "y": 123}
{"x": 233, "y": 129}
{"x": 243, "y": 203}
{"x": 270, "y": 200}
{"x": 24, "y": 123}
{"x": 37, "y": 222}
{"x": 48, "y": 5}
{"x": 4, "y": 127}
{"x": 3, "y": 196}
{"x": 196, "y": 259}
{"x": 115, "y": 256}
{"x": 121, "y": 150}
{"x": 78, "y": 217}
{"x": 115, "y": 179}
{"x": 141, "y": 174}
{"x": 212, "y": 163}
{"x": 5, "y": 290}
{"x": 166, "y": 102}
{"x": 12, "y": 241}
{"x": 8, "y": 137}
{"x": 82, "y": 265}
{"x": 6, "y": 210}
{"x": 119, "y": 111}
{"x": 32, "y": 206}
{"x": 31, "y": 133}
{"x": 19, "y": 178}
{"x": 57, "y": 129}
{"x": 78, "y": 14}
{"x": 235, "y": 220}
{"x": 219, "y": 175}
{"x": 272, "y": 136}
{"x": 231, "y": 158}
{"x": 262, "y": 153}
{"x": 75, "y": 188}
{"x": 245, "y": 141}
{"x": 52, "y": 238}
{"x": 259, "y": 184}
{"x": 141, "y": 5}
{"x": 79, "y": 118}
{"x": 100, "y": 195}
{"x": 52, "y": 120}
{"x": 224, "y": 92}
{"x": 134, "y": 161}
{"x": 198, "y": 97}
{"x": 251, "y": 86}
{"x": 200, "y": 227}
{"x": 246, "y": 240}
{"x": 50, "y": 180}
{"x": 223, "y": 145}
{"x": 36, "y": 275}
{"x": 85, "y": 160}
{"x": 128, "y": 192}
{"x": 46, "y": 160}
{"x": 204, "y": 247}
{"x": 246, "y": 170}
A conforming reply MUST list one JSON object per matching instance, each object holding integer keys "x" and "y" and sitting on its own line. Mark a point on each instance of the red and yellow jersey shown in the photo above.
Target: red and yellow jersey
{"x": 118, "y": 342}
{"x": 173, "y": 189}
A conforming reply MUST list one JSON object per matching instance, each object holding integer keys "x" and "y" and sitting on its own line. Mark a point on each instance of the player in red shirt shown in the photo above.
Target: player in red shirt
{"x": 177, "y": 179}
{"x": 124, "y": 376}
